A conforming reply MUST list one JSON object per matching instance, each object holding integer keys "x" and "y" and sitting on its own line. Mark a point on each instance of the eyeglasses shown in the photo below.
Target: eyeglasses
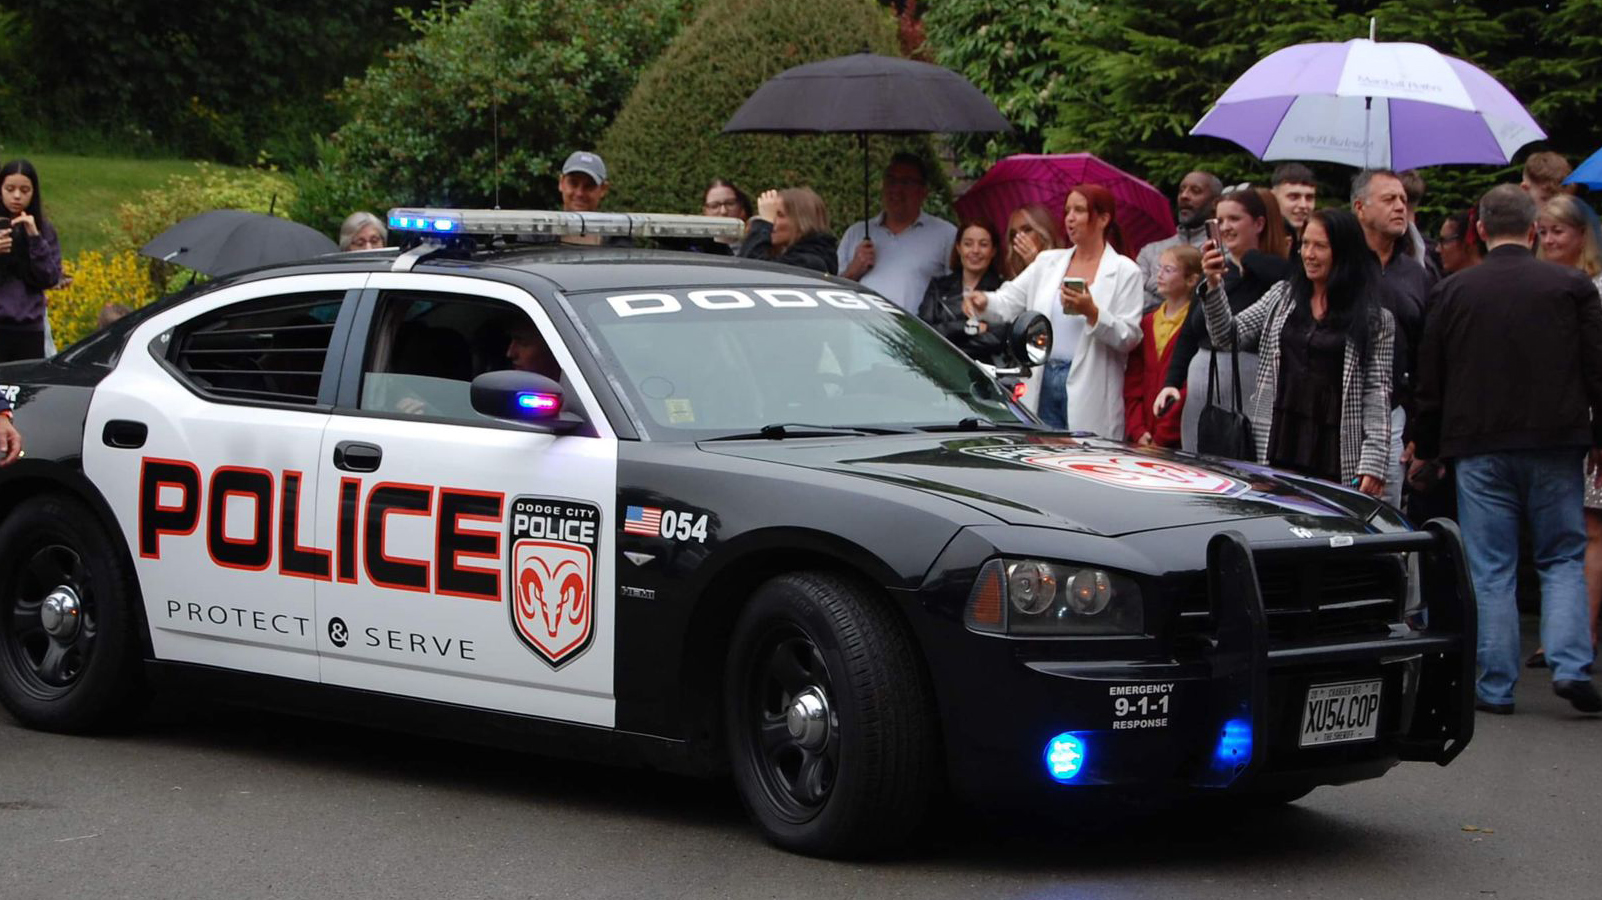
{"x": 1168, "y": 270}
{"x": 721, "y": 204}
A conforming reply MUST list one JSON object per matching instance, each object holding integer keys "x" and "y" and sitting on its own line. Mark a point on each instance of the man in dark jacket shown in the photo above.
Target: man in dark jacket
{"x": 1379, "y": 200}
{"x": 1510, "y": 388}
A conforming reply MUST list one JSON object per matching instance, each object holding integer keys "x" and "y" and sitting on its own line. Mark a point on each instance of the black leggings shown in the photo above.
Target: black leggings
{"x": 18, "y": 345}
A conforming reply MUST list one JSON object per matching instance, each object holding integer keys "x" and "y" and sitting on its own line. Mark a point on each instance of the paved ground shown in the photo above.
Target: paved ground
{"x": 235, "y": 804}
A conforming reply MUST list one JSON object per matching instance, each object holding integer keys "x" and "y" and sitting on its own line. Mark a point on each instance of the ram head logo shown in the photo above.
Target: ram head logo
{"x": 553, "y": 609}
{"x": 565, "y": 604}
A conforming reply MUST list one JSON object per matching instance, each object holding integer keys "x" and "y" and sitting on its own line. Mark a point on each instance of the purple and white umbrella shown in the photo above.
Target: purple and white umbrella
{"x": 1371, "y": 105}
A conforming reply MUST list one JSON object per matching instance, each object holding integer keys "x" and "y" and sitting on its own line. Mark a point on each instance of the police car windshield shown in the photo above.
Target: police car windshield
{"x": 699, "y": 364}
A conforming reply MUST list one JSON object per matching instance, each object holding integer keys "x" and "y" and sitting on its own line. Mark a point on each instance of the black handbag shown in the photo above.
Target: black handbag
{"x": 1220, "y": 431}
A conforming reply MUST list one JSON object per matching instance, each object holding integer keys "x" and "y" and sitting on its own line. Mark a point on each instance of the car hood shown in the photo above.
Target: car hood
{"x": 1059, "y": 481}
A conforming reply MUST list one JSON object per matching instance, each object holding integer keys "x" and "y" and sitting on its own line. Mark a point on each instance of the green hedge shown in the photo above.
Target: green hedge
{"x": 421, "y": 123}
{"x": 667, "y": 143}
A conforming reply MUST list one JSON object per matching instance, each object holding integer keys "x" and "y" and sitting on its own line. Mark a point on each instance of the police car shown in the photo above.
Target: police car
{"x": 696, "y": 513}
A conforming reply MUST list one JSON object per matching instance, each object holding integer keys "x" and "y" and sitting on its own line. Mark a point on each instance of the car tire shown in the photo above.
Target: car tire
{"x": 69, "y": 652}
{"x": 830, "y": 718}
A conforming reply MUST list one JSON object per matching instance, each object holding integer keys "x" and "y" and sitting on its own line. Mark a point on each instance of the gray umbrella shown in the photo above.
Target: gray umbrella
{"x": 863, "y": 94}
{"x": 224, "y": 241}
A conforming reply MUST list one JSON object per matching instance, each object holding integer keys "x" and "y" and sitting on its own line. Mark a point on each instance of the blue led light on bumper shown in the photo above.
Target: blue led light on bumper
{"x": 1234, "y": 744}
{"x": 1065, "y": 756}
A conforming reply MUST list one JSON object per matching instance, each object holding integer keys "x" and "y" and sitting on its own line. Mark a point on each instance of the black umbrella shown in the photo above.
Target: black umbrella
{"x": 863, "y": 94}
{"x": 230, "y": 240}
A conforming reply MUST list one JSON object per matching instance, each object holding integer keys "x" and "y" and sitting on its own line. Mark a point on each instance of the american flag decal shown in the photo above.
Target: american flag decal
{"x": 646, "y": 520}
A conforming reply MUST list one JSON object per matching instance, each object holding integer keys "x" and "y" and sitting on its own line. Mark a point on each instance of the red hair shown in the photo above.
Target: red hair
{"x": 1101, "y": 203}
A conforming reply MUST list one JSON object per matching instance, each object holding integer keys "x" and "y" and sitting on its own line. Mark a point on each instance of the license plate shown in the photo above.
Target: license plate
{"x": 1341, "y": 713}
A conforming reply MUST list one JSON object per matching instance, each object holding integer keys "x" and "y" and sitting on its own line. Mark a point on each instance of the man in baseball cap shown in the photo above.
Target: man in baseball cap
{"x": 583, "y": 182}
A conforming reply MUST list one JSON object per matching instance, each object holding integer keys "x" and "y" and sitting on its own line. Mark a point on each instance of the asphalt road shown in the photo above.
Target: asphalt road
{"x": 217, "y": 803}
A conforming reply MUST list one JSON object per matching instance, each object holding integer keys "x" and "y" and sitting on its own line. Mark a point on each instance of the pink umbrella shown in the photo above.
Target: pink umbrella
{"x": 1143, "y": 212}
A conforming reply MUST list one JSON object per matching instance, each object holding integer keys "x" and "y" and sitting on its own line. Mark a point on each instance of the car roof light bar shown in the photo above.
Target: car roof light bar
{"x": 546, "y": 223}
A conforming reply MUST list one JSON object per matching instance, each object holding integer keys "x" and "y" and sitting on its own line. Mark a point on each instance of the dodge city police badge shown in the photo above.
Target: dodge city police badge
{"x": 553, "y": 543}
{"x": 1129, "y": 470}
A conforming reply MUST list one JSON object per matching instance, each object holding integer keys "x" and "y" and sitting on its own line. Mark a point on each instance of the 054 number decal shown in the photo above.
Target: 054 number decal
{"x": 683, "y": 526}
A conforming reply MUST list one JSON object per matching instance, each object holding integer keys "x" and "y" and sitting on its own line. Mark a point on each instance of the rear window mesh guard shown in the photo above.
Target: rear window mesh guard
{"x": 272, "y": 351}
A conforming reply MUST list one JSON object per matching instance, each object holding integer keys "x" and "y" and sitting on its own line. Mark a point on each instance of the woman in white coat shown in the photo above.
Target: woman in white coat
{"x": 1093, "y": 330}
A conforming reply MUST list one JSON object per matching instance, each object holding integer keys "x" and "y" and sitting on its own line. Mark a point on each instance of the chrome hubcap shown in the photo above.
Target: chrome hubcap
{"x": 59, "y": 614}
{"x": 808, "y": 719}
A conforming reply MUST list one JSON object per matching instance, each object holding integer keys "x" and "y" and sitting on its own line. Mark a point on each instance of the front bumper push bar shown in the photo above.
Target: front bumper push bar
{"x": 1442, "y": 718}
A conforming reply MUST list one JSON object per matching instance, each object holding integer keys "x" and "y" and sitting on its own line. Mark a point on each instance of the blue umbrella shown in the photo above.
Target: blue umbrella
{"x": 1589, "y": 173}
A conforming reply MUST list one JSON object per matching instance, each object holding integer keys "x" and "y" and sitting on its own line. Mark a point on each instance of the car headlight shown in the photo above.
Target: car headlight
{"x": 1036, "y": 597}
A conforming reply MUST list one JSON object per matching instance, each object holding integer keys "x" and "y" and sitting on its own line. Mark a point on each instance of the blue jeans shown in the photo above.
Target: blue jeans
{"x": 1544, "y": 488}
{"x": 1054, "y": 394}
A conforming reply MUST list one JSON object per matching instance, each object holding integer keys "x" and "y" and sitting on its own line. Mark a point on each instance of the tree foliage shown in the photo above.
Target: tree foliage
{"x": 666, "y": 144}
{"x": 231, "y": 80}
{"x": 1128, "y": 79}
{"x": 1004, "y": 50}
{"x": 421, "y": 126}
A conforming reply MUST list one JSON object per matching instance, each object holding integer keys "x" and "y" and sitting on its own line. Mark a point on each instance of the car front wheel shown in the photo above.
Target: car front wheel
{"x": 69, "y": 658}
{"x": 830, "y": 718}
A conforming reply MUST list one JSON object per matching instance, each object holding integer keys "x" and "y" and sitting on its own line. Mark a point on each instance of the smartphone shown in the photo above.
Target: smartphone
{"x": 1212, "y": 234}
{"x": 1076, "y": 284}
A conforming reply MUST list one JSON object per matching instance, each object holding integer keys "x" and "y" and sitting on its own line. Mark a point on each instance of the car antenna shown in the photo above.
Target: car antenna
{"x": 495, "y": 121}
{"x": 495, "y": 139}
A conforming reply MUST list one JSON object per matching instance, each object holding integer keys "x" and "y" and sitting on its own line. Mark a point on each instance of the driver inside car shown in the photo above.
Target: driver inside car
{"x": 528, "y": 352}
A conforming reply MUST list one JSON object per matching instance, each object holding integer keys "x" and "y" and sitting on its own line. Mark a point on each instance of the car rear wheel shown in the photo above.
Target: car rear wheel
{"x": 830, "y": 718}
{"x": 69, "y": 659}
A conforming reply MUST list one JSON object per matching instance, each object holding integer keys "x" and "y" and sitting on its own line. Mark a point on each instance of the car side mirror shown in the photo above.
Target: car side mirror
{"x": 527, "y": 398}
{"x": 1029, "y": 339}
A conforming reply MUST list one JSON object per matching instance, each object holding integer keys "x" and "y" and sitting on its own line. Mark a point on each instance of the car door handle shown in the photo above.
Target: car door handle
{"x": 124, "y": 434}
{"x": 355, "y": 456}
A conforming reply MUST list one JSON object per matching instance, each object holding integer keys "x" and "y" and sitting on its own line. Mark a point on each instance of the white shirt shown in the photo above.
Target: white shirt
{"x": 1096, "y": 381}
{"x": 906, "y": 262}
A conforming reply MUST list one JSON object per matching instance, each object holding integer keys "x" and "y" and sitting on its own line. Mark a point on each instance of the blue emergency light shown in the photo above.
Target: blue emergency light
{"x": 1234, "y": 744}
{"x": 1065, "y": 756}
{"x": 539, "y": 404}
{"x": 434, "y": 222}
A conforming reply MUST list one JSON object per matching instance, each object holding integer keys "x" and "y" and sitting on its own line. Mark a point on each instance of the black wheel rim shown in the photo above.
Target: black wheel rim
{"x": 45, "y": 652}
{"x": 795, "y": 767}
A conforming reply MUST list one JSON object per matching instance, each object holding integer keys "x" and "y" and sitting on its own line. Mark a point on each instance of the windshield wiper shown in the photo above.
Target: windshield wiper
{"x": 781, "y": 430}
{"x": 976, "y": 423}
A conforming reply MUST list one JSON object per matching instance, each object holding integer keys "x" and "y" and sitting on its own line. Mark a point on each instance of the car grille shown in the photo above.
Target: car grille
{"x": 1314, "y": 600}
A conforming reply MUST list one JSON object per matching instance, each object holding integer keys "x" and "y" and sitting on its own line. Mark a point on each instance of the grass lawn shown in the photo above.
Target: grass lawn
{"x": 81, "y": 193}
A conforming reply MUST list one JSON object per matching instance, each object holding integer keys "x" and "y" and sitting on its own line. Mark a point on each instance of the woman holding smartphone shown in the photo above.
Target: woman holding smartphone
{"x": 1092, "y": 293}
{"x": 30, "y": 262}
{"x": 1323, "y": 400}
{"x": 1252, "y": 233}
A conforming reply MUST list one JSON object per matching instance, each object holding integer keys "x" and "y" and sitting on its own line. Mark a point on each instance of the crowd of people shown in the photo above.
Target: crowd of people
{"x": 1363, "y": 352}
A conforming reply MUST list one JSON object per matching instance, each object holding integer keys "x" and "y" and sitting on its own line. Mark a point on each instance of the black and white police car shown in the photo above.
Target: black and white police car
{"x": 697, "y": 513}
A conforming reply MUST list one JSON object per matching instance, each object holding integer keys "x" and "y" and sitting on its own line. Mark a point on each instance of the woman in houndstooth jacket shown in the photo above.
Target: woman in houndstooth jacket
{"x": 1323, "y": 399}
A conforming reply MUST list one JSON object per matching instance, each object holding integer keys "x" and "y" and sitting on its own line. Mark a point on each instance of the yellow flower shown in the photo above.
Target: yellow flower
{"x": 96, "y": 279}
